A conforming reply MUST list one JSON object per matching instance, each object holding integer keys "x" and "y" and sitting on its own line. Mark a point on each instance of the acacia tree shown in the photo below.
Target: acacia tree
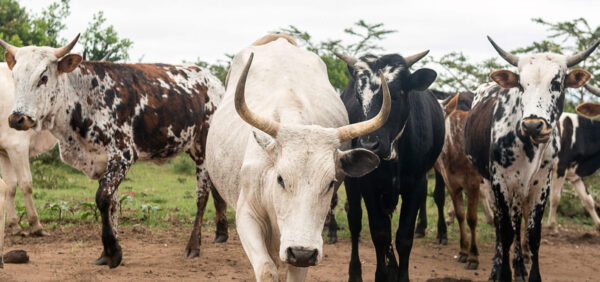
{"x": 103, "y": 43}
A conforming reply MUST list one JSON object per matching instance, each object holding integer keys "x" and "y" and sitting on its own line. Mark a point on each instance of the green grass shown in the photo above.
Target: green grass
{"x": 161, "y": 196}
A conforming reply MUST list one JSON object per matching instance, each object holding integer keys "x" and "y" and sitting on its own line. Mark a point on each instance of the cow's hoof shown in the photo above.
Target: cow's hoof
{"x": 520, "y": 278}
{"x": 100, "y": 261}
{"x": 191, "y": 253}
{"x": 16, "y": 256}
{"x": 331, "y": 240}
{"x": 220, "y": 238}
{"x": 442, "y": 241}
{"x": 462, "y": 258}
{"x": 419, "y": 234}
{"x": 15, "y": 230}
{"x": 472, "y": 264}
{"x": 39, "y": 233}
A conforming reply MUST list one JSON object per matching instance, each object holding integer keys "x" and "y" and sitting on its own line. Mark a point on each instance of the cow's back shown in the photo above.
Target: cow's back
{"x": 285, "y": 83}
{"x": 423, "y": 137}
{"x": 477, "y": 134}
{"x": 579, "y": 145}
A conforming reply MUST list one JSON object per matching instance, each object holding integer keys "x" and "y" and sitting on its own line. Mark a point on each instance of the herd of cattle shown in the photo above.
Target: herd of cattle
{"x": 277, "y": 140}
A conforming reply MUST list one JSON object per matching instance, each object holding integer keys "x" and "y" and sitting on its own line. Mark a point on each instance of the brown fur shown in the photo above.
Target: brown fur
{"x": 460, "y": 174}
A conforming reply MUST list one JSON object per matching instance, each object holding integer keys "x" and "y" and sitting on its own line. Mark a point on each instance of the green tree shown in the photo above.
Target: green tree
{"x": 103, "y": 43}
{"x": 19, "y": 28}
{"x": 365, "y": 37}
{"x": 219, "y": 69}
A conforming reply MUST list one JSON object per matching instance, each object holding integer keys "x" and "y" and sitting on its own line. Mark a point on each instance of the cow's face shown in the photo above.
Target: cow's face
{"x": 542, "y": 80}
{"x": 307, "y": 166}
{"x": 38, "y": 76}
{"x": 366, "y": 85}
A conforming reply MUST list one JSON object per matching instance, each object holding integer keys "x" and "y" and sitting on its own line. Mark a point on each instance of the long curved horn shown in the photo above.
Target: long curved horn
{"x": 351, "y": 131}
{"x": 592, "y": 89}
{"x": 264, "y": 124}
{"x": 577, "y": 58}
{"x": 410, "y": 60}
{"x": 350, "y": 61}
{"x": 9, "y": 48}
{"x": 60, "y": 52}
{"x": 510, "y": 58}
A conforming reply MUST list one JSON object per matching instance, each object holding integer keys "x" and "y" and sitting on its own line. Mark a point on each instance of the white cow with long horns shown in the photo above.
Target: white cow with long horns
{"x": 280, "y": 158}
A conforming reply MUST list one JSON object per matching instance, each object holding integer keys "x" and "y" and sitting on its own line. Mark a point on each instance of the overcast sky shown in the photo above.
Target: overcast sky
{"x": 172, "y": 31}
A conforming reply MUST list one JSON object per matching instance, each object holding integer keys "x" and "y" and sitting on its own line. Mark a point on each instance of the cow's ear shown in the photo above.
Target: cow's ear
{"x": 10, "y": 59}
{"x": 69, "y": 62}
{"x": 421, "y": 79}
{"x": 264, "y": 140}
{"x": 505, "y": 78}
{"x": 358, "y": 162}
{"x": 577, "y": 78}
{"x": 588, "y": 109}
{"x": 451, "y": 106}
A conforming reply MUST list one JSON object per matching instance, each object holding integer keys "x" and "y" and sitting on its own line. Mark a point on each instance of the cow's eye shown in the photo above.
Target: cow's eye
{"x": 555, "y": 86}
{"x": 280, "y": 181}
{"x": 42, "y": 81}
{"x": 331, "y": 185}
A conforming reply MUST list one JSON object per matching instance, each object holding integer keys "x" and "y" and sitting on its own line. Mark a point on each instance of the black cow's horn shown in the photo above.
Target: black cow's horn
{"x": 510, "y": 58}
{"x": 577, "y": 58}
{"x": 594, "y": 90}
{"x": 350, "y": 61}
{"x": 264, "y": 124}
{"x": 410, "y": 60}
{"x": 351, "y": 131}
{"x": 60, "y": 52}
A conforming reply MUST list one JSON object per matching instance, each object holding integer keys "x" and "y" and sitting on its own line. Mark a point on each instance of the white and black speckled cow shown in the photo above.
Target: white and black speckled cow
{"x": 512, "y": 139}
{"x": 107, "y": 116}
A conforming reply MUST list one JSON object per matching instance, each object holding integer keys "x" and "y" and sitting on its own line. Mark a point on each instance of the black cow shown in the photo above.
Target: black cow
{"x": 408, "y": 144}
{"x": 579, "y": 156}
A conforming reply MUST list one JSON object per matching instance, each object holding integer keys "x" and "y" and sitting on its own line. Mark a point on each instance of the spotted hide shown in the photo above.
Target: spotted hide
{"x": 107, "y": 116}
{"x": 512, "y": 139}
{"x": 579, "y": 156}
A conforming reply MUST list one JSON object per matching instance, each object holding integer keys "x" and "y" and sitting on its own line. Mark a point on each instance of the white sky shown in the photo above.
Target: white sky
{"x": 174, "y": 30}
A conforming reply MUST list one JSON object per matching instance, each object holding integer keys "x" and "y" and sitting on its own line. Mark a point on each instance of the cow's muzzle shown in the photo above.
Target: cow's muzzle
{"x": 301, "y": 257}
{"x": 536, "y": 128}
{"x": 20, "y": 121}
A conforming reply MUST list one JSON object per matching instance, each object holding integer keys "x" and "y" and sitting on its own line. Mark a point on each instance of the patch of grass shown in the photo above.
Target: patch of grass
{"x": 161, "y": 196}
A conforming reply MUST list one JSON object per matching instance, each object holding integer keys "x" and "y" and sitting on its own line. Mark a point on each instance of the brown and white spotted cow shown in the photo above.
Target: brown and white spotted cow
{"x": 107, "y": 116}
{"x": 459, "y": 174}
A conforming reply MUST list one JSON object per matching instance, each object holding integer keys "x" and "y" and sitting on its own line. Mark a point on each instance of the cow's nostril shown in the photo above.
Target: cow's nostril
{"x": 21, "y": 120}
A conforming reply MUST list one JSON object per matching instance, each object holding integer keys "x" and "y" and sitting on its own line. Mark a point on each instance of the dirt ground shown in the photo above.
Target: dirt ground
{"x": 156, "y": 255}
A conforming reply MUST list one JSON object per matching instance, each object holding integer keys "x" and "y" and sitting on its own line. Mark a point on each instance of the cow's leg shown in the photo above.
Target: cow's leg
{"x": 586, "y": 200}
{"x": 457, "y": 201}
{"x": 222, "y": 234}
{"x": 472, "y": 204}
{"x": 381, "y": 234}
{"x": 10, "y": 177}
{"x": 451, "y": 215}
{"x": 354, "y": 214}
{"x": 504, "y": 235}
{"x": 524, "y": 244}
{"x": 330, "y": 222}
{"x": 486, "y": 199}
{"x": 3, "y": 194}
{"x": 296, "y": 274}
{"x": 107, "y": 200}
{"x": 252, "y": 237}
{"x": 20, "y": 162}
{"x": 439, "y": 196}
{"x": 556, "y": 190}
{"x": 534, "y": 226}
{"x": 518, "y": 261}
{"x": 416, "y": 189}
{"x": 202, "y": 189}
{"x": 422, "y": 219}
